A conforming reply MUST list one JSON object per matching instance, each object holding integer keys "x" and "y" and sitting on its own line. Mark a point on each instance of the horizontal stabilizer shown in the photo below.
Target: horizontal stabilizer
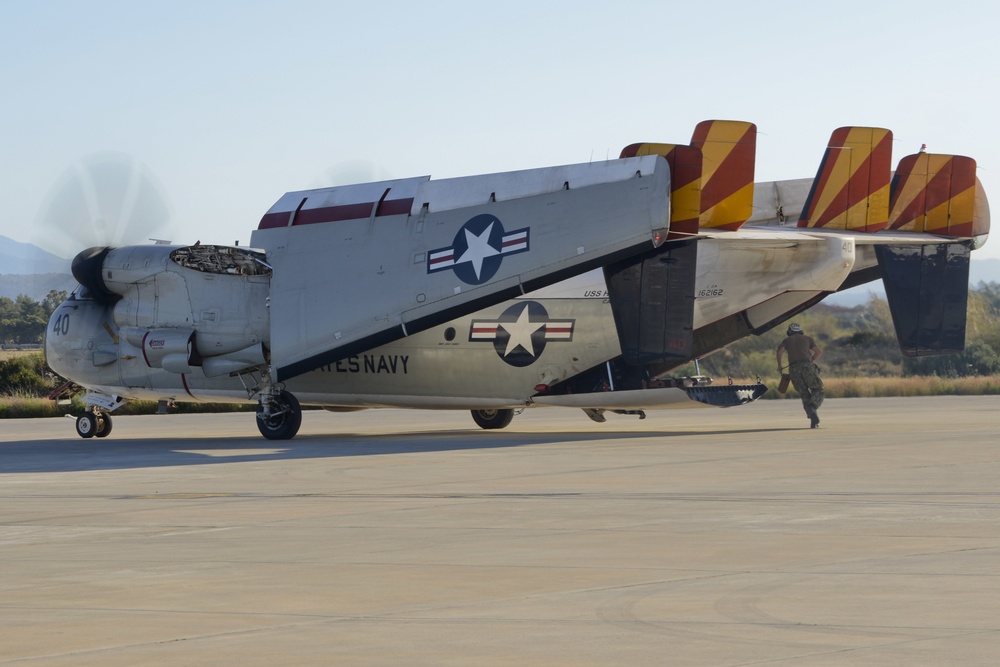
{"x": 356, "y": 276}
{"x": 936, "y": 194}
{"x": 927, "y": 287}
{"x": 851, "y": 189}
{"x": 652, "y": 299}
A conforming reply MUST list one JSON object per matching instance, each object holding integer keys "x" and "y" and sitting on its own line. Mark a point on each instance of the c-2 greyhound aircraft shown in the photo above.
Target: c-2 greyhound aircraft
{"x": 580, "y": 285}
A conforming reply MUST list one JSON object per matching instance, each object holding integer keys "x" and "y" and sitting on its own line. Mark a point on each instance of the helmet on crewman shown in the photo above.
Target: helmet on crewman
{"x": 794, "y": 328}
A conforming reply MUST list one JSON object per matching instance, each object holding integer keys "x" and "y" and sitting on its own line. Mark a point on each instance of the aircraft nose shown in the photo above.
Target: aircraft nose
{"x": 87, "y": 267}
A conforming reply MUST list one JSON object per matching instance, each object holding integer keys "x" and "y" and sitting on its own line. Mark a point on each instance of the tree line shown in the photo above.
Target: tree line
{"x": 861, "y": 342}
{"x": 857, "y": 341}
{"x": 23, "y": 320}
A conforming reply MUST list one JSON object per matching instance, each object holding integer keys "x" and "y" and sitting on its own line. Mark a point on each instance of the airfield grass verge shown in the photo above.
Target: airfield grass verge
{"x": 881, "y": 387}
{"x": 26, "y": 407}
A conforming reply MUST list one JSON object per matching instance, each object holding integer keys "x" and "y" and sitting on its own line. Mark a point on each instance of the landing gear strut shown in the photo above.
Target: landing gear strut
{"x": 94, "y": 422}
{"x": 279, "y": 416}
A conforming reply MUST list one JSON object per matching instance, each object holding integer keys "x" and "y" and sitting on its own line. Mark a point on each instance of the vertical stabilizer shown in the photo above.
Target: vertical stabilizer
{"x": 851, "y": 189}
{"x": 729, "y": 149}
{"x": 685, "y": 183}
{"x": 936, "y": 194}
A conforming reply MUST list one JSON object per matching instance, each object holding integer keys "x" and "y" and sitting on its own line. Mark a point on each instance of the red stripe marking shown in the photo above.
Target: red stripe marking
{"x": 312, "y": 216}
{"x": 395, "y": 207}
{"x": 682, "y": 228}
{"x": 185, "y": 382}
{"x": 274, "y": 220}
{"x": 630, "y": 151}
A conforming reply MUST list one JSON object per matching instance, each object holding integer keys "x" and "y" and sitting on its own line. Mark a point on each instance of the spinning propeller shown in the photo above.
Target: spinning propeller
{"x": 105, "y": 199}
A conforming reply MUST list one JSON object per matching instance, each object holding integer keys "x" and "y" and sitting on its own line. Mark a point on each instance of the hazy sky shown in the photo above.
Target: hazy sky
{"x": 227, "y": 105}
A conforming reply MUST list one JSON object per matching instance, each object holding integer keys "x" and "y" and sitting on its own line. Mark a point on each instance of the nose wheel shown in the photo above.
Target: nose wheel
{"x": 96, "y": 423}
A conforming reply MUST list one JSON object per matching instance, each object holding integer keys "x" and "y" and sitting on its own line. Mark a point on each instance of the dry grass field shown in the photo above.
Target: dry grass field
{"x": 10, "y": 354}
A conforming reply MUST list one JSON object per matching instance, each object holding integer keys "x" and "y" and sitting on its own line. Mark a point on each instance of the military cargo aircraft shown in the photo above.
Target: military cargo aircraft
{"x": 581, "y": 285}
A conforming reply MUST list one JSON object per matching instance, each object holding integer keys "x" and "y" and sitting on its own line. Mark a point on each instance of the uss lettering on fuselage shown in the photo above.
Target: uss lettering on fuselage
{"x": 521, "y": 332}
{"x": 478, "y": 249}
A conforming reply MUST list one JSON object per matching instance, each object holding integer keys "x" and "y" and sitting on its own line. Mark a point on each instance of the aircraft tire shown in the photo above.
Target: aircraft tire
{"x": 86, "y": 425}
{"x": 494, "y": 418}
{"x": 103, "y": 425}
{"x": 282, "y": 425}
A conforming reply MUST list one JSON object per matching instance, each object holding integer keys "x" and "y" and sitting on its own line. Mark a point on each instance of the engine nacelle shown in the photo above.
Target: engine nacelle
{"x": 184, "y": 305}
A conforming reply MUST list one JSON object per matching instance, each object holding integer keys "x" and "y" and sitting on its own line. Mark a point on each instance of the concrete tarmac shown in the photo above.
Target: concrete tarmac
{"x": 704, "y": 537}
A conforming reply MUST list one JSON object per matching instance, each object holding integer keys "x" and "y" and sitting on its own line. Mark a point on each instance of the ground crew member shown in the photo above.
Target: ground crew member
{"x": 802, "y": 352}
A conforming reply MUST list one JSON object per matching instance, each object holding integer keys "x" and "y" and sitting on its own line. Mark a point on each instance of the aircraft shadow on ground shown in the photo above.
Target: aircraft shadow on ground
{"x": 76, "y": 455}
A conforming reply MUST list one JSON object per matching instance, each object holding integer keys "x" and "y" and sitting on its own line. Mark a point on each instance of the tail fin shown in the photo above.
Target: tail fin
{"x": 729, "y": 149}
{"x": 685, "y": 183}
{"x": 937, "y": 194}
{"x": 712, "y": 179}
{"x": 851, "y": 189}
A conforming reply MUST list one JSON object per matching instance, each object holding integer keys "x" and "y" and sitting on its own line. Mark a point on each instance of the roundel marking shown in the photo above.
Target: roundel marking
{"x": 478, "y": 249}
{"x": 521, "y": 333}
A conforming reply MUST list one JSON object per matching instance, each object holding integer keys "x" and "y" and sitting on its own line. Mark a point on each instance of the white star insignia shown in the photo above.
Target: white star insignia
{"x": 478, "y": 250}
{"x": 520, "y": 332}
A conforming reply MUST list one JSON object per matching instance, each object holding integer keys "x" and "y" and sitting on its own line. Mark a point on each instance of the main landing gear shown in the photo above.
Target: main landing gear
{"x": 490, "y": 419}
{"x": 279, "y": 416}
{"x": 95, "y": 422}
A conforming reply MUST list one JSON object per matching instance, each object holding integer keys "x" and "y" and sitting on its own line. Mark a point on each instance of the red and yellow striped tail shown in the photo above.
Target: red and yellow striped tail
{"x": 729, "y": 149}
{"x": 712, "y": 179}
{"x": 685, "y": 183}
{"x": 936, "y": 194}
{"x": 851, "y": 189}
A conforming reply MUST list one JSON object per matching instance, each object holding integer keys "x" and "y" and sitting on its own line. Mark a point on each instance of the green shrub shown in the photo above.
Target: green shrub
{"x": 26, "y": 375}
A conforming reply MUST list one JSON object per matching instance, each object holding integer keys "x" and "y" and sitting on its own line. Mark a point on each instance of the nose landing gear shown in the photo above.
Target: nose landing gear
{"x": 95, "y": 422}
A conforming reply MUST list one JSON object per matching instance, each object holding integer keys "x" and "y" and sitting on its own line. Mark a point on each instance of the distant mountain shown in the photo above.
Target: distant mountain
{"x": 25, "y": 258}
{"x": 37, "y": 286}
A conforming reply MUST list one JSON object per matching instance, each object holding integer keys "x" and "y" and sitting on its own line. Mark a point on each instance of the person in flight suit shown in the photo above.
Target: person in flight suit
{"x": 802, "y": 354}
